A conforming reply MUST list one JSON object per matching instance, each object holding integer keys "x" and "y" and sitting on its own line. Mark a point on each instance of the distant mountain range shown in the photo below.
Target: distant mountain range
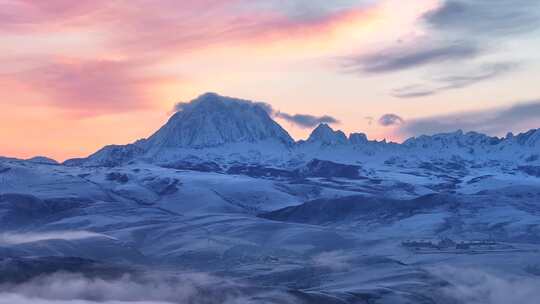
{"x": 228, "y": 130}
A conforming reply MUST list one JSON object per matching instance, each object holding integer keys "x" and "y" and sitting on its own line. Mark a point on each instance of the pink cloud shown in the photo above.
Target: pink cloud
{"x": 35, "y": 15}
{"x": 88, "y": 88}
{"x": 187, "y": 25}
{"x": 58, "y": 15}
{"x": 162, "y": 26}
{"x": 138, "y": 36}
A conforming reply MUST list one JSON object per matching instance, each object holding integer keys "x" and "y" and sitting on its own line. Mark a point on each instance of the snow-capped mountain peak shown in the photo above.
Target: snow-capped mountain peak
{"x": 212, "y": 120}
{"x": 529, "y": 139}
{"x": 457, "y": 140}
{"x": 325, "y": 135}
{"x": 358, "y": 139}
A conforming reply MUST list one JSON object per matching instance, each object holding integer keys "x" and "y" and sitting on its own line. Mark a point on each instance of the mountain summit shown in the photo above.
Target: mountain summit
{"x": 217, "y": 124}
{"x": 325, "y": 135}
{"x": 212, "y": 120}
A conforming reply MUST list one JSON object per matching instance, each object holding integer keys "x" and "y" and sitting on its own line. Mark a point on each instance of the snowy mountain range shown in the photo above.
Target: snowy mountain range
{"x": 228, "y": 130}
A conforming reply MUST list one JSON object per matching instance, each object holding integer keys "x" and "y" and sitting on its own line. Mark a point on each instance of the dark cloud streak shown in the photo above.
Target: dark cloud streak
{"x": 486, "y": 17}
{"x": 453, "y": 82}
{"x": 393, "y": 60}
{"x": 388, "y": 120}
{"x": 306, "y": 120}
{"x": 496, "y": 121}
{"x": 458, "y": 31}
{"x": 300, "y": 120}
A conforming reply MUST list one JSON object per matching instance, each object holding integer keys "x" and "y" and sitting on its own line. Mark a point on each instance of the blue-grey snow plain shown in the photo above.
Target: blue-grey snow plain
{"x": 222, "y": 206}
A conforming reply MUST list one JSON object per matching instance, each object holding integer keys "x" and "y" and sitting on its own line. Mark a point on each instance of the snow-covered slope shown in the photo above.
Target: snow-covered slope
{"x": 42, "y": 160}
{"x": 330, "y": 231}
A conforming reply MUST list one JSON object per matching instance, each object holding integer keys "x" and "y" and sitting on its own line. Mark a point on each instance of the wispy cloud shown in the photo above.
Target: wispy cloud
{"x": 472, "y": 286}
{"x": 334, "y": 260}
{"x": 390, "y": 119}
{"x": 23, "y": 238}
{"x": 495, "y": 121}
{"x": 455, "y": 34}
{"x": 306, "y": 9}
{"x": 27, "y": 15}
{"x": 404, "y": 58}
{"x": 456, "y": 81}
{"x": 136, "y": 40}
{"x": 148, "y": 289}
{"x": 90, "y": 87}
{"x": 166, "y": 27}
{"x": 306, "y": 120}
{"x": 300, "y": 120}
{"x": 486, "y": 18}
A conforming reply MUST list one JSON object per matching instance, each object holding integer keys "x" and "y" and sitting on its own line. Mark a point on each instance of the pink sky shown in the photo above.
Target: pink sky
{"x": 77, "y": 75}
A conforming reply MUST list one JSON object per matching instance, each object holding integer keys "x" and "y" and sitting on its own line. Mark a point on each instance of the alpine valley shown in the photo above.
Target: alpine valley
{"x": 222, "y": 205}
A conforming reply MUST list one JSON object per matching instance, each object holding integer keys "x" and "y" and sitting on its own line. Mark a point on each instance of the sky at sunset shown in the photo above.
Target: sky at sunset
{"x": 78, "y": 75}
